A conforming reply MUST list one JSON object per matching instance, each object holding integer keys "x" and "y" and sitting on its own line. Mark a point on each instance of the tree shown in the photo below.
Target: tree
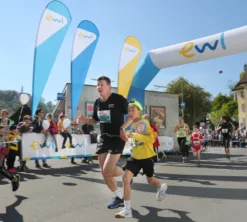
{"x": 197, "y": 101}
{"x": 219, "y": 101}
{"x": 223, "y": 105}
{"x": 9, "y": 99}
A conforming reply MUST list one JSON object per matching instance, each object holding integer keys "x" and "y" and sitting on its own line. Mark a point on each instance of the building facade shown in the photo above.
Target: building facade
{"x": 240, "y": 90}
{"x": 161, "y": 106}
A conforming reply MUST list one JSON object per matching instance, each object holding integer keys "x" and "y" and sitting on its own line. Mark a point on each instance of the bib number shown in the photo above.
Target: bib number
{"x": 104, "y": 116}
{"x": 224, "y": 130}
{"x": 197, "y": 143}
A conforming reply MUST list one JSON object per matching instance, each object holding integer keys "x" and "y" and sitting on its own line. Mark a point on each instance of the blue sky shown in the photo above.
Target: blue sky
{"x": 155, "y": 23}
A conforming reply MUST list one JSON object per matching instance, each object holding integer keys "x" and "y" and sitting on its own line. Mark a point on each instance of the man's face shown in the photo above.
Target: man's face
{"x": 103, "y": 88}
{"x": 181, "y": 120}
{"x": 28, "y": 120}
{"x": 4, "y": 114}
{"x": 41, "y": 114}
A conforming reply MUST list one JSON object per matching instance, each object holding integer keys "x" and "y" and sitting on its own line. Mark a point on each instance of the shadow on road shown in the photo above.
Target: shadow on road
{"x": 202, "y": 179}
{"x": 12, "y": 215}
{"x": 199, "y": 192}
{"x": 152, "y": 215}
{"x": 34, "y": 174}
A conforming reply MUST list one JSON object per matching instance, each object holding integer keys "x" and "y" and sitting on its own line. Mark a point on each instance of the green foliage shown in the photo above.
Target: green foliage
{"x": 197, "y": 101}
{"x": 223, "y": 105}
{"x": 9, "y": 99}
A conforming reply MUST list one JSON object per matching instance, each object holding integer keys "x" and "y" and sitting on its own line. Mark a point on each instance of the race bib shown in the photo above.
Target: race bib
{"x": 197, "y": 143}
{"x": 224, "y": 130}
{"x": 104, "y": 116}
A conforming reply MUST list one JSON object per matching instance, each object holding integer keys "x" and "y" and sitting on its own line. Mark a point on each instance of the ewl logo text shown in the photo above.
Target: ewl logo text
{"x": 81, "y": 35}
{"x": 129, "y": 49}
{"x": 186, "y": 51}
{"x": 50, "y": 18}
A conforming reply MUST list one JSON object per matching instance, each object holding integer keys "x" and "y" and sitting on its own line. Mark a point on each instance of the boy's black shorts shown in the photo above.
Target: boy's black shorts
{"x": 134, "y": 166}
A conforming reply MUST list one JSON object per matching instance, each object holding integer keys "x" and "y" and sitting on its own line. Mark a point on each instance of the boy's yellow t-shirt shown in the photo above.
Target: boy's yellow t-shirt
{"x": 143, "y": 140}
{"x": 14, "y": 145}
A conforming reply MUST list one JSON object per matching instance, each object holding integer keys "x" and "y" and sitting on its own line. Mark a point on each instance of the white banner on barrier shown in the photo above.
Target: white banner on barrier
{"x": 32, "y": 146}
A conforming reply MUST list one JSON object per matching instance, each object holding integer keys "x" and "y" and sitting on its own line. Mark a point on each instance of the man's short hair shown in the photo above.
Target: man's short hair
{"x": 38, "y": 111}
{"x": 108, "y": 81}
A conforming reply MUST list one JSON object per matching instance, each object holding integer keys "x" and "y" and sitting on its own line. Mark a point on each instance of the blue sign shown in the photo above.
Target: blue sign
{"x": 182, "y": 104}
{"x": 60, "y": 96}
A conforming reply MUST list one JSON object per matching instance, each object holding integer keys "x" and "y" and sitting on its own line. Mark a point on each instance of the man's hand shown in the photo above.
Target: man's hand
{"x": 123, "y": 135}
{"x": 82, "y": 119}
{"x": 129, "y": 135}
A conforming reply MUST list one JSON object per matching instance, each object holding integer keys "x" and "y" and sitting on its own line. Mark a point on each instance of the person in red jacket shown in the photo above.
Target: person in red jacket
{"x": 196, "y": 143}
{"x": 51, "y": 130}
{"x": 155, "y": 132}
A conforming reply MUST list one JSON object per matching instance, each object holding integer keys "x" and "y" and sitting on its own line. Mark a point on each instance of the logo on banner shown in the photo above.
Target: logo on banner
{"x": 186, "y": 51}
{"x": 82, "y": 40}
{"x": 127, "y": 49}
{"x": 83, "y": 35}
{"x": 50, "y": 24}
{"x": 51, "y": 18}
{"x": 129, "y": 52}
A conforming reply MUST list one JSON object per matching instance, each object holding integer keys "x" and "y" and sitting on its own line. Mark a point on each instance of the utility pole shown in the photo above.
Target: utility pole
{"x": 182, "y": 90}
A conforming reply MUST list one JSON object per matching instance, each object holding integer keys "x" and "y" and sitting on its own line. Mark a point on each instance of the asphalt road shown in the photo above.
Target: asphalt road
{"x": 217, "y": 191}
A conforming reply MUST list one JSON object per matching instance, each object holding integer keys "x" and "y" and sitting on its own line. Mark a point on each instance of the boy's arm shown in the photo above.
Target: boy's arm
{"x": 144, "y": 138}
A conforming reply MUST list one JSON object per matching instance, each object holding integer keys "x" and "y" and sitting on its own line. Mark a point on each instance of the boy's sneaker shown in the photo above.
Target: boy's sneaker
{"x": 161, "y": 193}
{"x": 116, "y": 203}
{"x": 198, "y": 164}
{"x": 15, "y": 182}
{"x": 124, "y": 213}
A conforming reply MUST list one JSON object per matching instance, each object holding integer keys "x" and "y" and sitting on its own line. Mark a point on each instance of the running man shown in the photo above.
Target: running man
{"x": 141, "y": 157}
{"x": 3, "y": 152}
{"x": 181, "y": 131}
{"x": 109, "y": 109}
{"x": 226, "y": 128}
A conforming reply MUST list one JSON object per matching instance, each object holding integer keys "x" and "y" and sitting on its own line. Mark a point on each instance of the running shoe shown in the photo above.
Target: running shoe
{"x": 124, "y": 213}
{"x": 161, "y": 193}
{"x": 117, "y": 202}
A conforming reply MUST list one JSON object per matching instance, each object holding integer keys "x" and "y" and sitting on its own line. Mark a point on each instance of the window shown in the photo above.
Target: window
{"x": 242, "y": 94}
{"x": 243, "y": 107}
{"x": 244, "y": 121}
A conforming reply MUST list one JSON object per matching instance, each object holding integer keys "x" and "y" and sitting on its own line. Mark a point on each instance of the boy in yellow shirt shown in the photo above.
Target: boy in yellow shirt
{"x": 141, "y": 157}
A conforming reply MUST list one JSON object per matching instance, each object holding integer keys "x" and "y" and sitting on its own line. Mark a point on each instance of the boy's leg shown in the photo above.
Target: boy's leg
{"x": 198, "y": 157}
{"x": 55, "y": 141}
{"x": 70, "y": 140}
{"x": 11, "y": 159}
{"x": 64, "y": 135}
{"x": 148, "y": 170}
{"x": 132, "y": 168}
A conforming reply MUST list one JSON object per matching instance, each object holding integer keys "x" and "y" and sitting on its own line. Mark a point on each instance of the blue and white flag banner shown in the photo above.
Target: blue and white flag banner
{"x": 53, "y": 27}
{"x": 85, "y": 41}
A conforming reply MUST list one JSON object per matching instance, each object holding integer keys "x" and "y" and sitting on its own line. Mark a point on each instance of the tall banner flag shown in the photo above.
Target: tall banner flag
{"x": 85, "y": 41}
{"x": 130, "y": 56}
{"x": 210, "y": 47}
{"x": 53, "y": 27}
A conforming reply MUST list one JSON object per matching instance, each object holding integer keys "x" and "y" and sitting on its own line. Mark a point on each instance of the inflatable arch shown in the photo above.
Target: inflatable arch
{"x": 214, "y": 46}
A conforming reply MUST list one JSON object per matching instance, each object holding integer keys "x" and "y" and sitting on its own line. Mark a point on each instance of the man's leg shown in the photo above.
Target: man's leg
{"x": 111, "y": 170}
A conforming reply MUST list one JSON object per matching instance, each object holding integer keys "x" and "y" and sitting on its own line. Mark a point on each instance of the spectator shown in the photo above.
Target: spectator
{"x": 38, "y": 128}
{"x": 52, "y": 130}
